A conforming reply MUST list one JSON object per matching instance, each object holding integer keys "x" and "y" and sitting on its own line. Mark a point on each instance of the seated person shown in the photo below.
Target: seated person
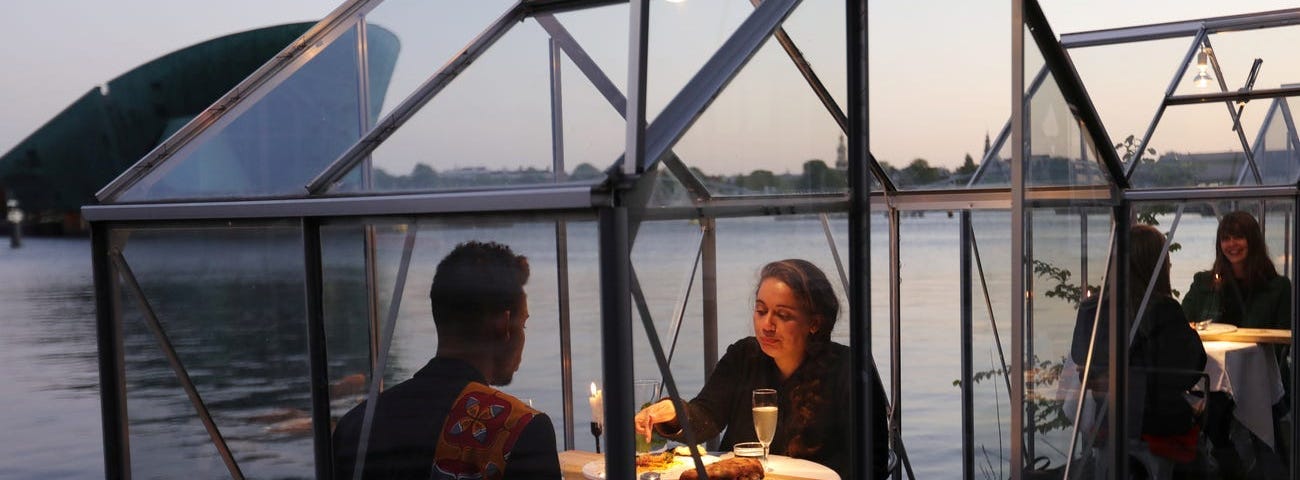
{"x": 1243, "y": 287}
{"x": 446, "y": 422}
{"x": 1164, "y": 341}
{"x": 791, "y": 351}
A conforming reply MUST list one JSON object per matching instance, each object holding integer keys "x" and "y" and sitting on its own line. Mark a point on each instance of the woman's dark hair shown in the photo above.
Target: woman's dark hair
{"x": 475, "y": 280}
{"x": 817, "y": 298}
{"x": 810, "y": 285}
{"x": 1145, "y": 245}
{"x": 1259, "y": 267}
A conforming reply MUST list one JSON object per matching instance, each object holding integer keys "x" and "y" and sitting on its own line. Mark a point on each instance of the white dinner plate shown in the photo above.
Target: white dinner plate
{"x": 1217, "y": 328}
{"x": 797, "y": 467}
{"x": 595, "y": 469}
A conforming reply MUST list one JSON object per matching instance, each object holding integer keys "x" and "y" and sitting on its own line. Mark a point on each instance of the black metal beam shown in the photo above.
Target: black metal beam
{"x": 112, "y": 376}
{"x": 316, "y": 348}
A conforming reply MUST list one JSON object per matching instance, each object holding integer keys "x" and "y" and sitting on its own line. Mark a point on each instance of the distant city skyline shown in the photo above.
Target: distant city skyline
{"x": 939, "y": 77}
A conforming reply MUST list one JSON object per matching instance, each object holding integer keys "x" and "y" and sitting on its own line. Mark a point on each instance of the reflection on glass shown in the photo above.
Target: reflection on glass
{"x": 282, "y": 140}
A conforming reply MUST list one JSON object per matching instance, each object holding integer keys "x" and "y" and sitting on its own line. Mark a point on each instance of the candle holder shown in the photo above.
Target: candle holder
{"x": 595, "y": 432}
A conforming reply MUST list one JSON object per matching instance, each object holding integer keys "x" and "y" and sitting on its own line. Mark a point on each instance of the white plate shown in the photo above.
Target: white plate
{"x": 1217, "y": 328}
{"x": 797, "y": 467}
{"x": 595, "y": 469}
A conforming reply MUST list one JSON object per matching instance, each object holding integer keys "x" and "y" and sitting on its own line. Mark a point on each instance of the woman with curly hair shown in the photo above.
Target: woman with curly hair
{"x": 795, "y": 310}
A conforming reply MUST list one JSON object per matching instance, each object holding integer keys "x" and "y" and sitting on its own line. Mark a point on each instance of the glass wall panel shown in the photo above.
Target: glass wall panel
{"x": 918, "y": 78}
{"x": 1195, "y": 145}
{"x": 991, "y": 342}
{"x": 682, "y": 36}
{"x": 1069, "y": 252}
{"x": 415, "y": 338}
{"x": 767, "y": 132}
{"x": 1127, "y": 82}
{"x": 282, "y": 137}
{"x": 423, "y": 50}
{"x": 1236, "y": 51}
{"x": 1061, "y": 152}
{"x": 230, "y": 301}
{"x": 930, "y": 317}
{"x": 1277, "y": 149}
{"x": 489, "y": 126}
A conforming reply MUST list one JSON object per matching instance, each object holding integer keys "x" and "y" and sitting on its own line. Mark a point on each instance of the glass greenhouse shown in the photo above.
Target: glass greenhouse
{"x": 267, "y": 268}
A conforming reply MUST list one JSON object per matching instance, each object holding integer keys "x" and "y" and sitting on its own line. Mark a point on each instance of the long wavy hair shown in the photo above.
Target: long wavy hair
{"x": 1259, "y": 267}
{"x": 818, "y": 299}
{"x": 1146, "y": 243}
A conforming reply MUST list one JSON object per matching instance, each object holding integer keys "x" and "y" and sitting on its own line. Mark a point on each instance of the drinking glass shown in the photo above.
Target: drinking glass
{"x": 646, "y": 392}
{"x": 765, "y": 413}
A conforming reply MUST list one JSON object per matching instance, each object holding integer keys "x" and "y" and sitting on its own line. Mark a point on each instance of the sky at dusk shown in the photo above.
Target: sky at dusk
{"x": 939, "y": 75}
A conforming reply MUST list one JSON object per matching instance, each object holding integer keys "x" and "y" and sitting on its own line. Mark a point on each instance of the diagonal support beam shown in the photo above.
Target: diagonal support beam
{"x": 643, "y": 309}
{"x": 422, "y": 95}
{"x": 708, "y": 82}
{"x": 182, "y": 375}
{"x": 613, "y": 95}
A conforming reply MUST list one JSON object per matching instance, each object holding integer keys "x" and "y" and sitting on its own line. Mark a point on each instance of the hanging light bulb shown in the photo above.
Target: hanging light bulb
{"x": 1202, "y": 78}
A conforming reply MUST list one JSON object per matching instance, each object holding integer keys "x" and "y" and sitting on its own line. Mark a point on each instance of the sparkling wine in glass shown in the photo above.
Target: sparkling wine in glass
{"x": 765, "y": 413}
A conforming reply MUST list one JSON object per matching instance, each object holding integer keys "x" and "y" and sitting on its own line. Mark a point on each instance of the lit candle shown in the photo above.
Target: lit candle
{"x": 597, "y": 405}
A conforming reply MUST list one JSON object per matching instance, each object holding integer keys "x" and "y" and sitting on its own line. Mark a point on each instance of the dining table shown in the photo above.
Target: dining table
{"x": 1248, "y": 373}
{"x": 783, "y": 467}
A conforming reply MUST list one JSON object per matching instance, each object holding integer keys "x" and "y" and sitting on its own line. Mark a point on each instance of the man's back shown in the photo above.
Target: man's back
{"x": 447, "y": 416}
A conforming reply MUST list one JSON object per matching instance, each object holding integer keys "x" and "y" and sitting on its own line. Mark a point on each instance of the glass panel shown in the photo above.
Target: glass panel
{"x": 457, "y": 140}
{"x": 1277, "y": 151}
{"x": 995, "y": 170}
{"x": 594, "y": 131}
{"x": 1236, "y": 51}
{"x": 1069, "y": 248}
{"x": 167, "y": 438}
{"x": 991, "y": 347}
{"x": 1194, "y": 145}
{"x": 1060, "y": 151}
{"x": 416, "y": 338}
{"x": 767, "y": 133}
{"x": 275, "y": 144}
{"x": 913, "y": 102}
{"x": 1212, "y": 301}
{"x": 1128, "y": 81}
{"x": 409, "y": 51}
{"x": 682, "y": 36}
{"x": 231, "y": 302}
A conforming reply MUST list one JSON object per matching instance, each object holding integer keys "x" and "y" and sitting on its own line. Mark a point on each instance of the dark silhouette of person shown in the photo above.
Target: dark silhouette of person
{"x": 1166, "y": 355}
{"x": 446, "y": 422}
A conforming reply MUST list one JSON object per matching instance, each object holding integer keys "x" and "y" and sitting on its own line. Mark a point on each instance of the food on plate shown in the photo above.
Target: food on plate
{"x": 729, "y": 469}
{"x": 654, "y": 462}
{"x": 685, "y": 451}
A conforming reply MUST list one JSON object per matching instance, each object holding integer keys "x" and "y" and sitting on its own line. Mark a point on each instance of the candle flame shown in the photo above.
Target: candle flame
{"x": 593, "y": 389}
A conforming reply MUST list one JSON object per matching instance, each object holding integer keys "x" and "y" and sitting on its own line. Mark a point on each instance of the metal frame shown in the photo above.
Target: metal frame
{"x": 178, "y": 367}
{"x": 614, "y": 202}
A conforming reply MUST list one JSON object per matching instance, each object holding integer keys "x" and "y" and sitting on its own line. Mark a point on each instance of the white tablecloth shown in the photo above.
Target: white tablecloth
{"x": 1249, "y": 374}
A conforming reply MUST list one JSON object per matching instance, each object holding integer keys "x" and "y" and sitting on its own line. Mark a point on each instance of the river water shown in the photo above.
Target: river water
{"x": 48, "y": 356}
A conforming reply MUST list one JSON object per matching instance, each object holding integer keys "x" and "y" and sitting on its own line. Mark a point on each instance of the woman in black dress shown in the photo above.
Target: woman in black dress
{"x": 795, "y": 310}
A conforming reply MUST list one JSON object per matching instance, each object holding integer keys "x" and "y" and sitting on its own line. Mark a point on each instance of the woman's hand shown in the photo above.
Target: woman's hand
{"x": 658, "y": 412}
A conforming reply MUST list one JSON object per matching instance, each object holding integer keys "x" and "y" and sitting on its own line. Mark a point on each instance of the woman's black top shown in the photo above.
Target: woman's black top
{"x": 1164, "y": 342}
{"x": 725, "y": 403}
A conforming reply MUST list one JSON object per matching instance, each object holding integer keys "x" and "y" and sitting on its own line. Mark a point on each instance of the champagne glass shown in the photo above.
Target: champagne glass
{"x": 765, "y": 414}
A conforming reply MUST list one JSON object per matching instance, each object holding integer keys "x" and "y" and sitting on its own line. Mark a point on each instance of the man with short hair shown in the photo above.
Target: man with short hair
{"x": 446, "y": 422}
